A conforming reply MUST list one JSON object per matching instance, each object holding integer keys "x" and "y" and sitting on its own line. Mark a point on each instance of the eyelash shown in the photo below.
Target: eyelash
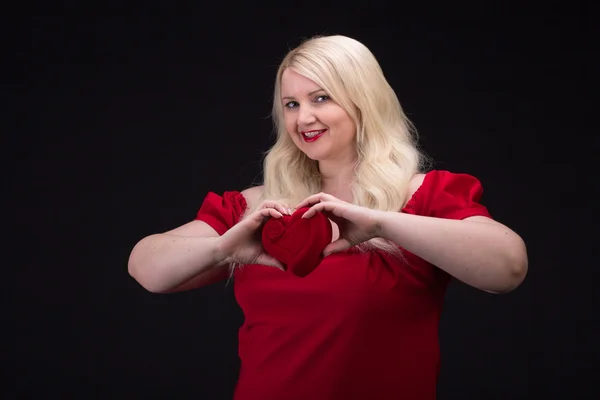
{"x": 287, "y": 105}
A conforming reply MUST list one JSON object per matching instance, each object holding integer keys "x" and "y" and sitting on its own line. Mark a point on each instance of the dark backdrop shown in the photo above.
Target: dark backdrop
{"x": 117, "y": 127}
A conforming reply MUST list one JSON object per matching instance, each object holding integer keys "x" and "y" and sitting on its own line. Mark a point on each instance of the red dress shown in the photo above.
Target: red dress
{"x": 360, "y": 326}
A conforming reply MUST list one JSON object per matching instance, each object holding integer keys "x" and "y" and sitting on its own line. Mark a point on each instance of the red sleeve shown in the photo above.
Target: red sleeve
{"x": 222, "y": 212}
{"x": 450, "y": 195}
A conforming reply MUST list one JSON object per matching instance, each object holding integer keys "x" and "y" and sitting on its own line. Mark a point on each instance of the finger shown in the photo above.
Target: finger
{"x": 276, "y": 206}
{"x": 271, "y": 212}
{"x": 265, "y": 213}
{"x": 337, "y": 246}
{"x": 265, "y": 259}
{"x": 314, "y": 209}
{"x": 316, "y": 198}
{"x": 332, "y": 206}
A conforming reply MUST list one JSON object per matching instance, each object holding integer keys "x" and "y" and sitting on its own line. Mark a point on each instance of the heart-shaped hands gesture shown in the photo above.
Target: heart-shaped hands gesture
{"x": 356, "y": 224}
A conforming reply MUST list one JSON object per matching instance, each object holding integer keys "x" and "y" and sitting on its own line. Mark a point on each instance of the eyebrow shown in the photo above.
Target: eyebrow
{"x": 310, "y": 94}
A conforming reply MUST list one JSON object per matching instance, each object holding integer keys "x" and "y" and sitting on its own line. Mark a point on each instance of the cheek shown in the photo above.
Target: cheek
{"x": 345, "y": 124}
{"x": 290, "y": 127}
{"x": 289, "y": 117}
{"x": 290, "y": 124}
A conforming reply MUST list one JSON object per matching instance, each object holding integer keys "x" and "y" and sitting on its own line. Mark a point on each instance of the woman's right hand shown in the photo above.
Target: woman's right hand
{"x": 242, "y": 243}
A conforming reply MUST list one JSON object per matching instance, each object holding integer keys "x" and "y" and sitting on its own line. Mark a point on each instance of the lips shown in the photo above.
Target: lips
{"x": 311, "y": 136}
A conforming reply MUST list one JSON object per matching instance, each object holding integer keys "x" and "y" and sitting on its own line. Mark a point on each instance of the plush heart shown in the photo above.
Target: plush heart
{"x": 297, "y": 242}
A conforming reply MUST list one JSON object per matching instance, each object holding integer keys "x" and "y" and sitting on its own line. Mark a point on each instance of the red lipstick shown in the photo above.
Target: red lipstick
{"x": 311, "y": 136}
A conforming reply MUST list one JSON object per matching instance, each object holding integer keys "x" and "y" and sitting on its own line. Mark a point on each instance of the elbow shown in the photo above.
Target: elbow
{"x": 145, "y": 281}
{"x": 140, "y": 274}
{"x": 518, "y": 264}
{"x": 137, "y": 275}
{"x": 514, "y": 276}
{"x": 514, "y": 266}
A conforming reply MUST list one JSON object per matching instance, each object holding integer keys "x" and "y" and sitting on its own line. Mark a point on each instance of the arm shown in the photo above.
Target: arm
{"x": 477, "y": 250}
{"x": 194, "y": 255}
{"x": 184, "y": 258}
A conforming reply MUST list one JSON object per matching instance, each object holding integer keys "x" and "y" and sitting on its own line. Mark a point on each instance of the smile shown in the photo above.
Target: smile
{"x": 311, "y": 136}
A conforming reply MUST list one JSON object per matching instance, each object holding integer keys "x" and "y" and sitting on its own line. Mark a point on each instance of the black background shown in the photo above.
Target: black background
{"x": 117, "y": 127}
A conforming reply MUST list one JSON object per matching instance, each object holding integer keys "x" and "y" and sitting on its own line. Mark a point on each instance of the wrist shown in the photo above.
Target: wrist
{"x": 221, "y": 254}
{"x": 380, "y": 218}
{"x": 385, "y": 221}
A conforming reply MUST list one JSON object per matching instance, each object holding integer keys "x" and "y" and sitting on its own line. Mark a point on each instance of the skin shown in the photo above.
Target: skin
{"x": 479, "y": 251}
{"x": 308, "y": 107}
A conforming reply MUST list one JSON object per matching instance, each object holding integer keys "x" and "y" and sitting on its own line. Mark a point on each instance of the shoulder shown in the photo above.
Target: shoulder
{"x": 445, "y": 194}
{"x": 253, "y": 195}
{"x": 413, "y": 187}
{"x": 442, "y": 180}
{"x": 415, "y": 183}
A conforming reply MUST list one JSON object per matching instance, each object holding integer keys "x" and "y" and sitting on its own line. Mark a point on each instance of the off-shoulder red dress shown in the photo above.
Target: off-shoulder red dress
{"x": 360, "y": 326}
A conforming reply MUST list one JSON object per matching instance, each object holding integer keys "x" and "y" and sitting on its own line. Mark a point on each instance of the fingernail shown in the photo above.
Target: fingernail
{"x": 289, "y": 211}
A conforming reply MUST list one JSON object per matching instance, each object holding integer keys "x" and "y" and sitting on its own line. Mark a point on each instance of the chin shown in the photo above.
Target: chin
{"x": 315, "y": 156}
{"x": 320, "y": 153}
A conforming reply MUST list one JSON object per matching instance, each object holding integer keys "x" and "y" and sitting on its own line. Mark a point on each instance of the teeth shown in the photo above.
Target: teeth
{"x": 312, "y": 134}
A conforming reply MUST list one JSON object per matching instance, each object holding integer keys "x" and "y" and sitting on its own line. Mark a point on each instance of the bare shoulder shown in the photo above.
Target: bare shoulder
{"x": 253, "y": 195}
{"x": 415, "y": 183}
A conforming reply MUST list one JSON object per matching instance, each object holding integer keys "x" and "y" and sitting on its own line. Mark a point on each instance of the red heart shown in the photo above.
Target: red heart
{"x": 297, "y": 242}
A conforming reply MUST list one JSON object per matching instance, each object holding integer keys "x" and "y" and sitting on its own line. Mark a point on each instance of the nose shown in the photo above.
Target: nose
{"x": 306, "y": 116}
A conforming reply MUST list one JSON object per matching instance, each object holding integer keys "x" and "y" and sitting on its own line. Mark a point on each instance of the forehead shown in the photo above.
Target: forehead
{"x": 294, "y": 84}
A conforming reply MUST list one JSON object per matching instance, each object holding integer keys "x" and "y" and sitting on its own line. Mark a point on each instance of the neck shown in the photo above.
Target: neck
{"x": 337, "y": 178}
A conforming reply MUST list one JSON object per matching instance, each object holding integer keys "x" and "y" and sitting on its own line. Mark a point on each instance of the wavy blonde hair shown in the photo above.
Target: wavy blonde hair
{"x": 388, "y": 156}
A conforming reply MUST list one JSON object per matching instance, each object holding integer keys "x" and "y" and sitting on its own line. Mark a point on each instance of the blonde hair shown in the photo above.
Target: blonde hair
{"x": 388, "y": 156}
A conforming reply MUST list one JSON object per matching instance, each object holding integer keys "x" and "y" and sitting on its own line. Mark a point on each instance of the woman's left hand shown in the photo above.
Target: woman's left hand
{"x": 356, "y": 224}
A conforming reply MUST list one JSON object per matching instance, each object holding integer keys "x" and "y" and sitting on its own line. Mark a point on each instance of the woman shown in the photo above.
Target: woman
{"x": 364, "y": 323}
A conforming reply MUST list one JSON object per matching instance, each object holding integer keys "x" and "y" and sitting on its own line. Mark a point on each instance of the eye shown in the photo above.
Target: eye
{"x": 291, "y": 104}
{"x": 321, "y": 98}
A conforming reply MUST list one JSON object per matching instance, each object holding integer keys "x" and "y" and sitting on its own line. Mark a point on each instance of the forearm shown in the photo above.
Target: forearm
{"x": 162, "y": 262}
{"x": 488, "y": 256}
